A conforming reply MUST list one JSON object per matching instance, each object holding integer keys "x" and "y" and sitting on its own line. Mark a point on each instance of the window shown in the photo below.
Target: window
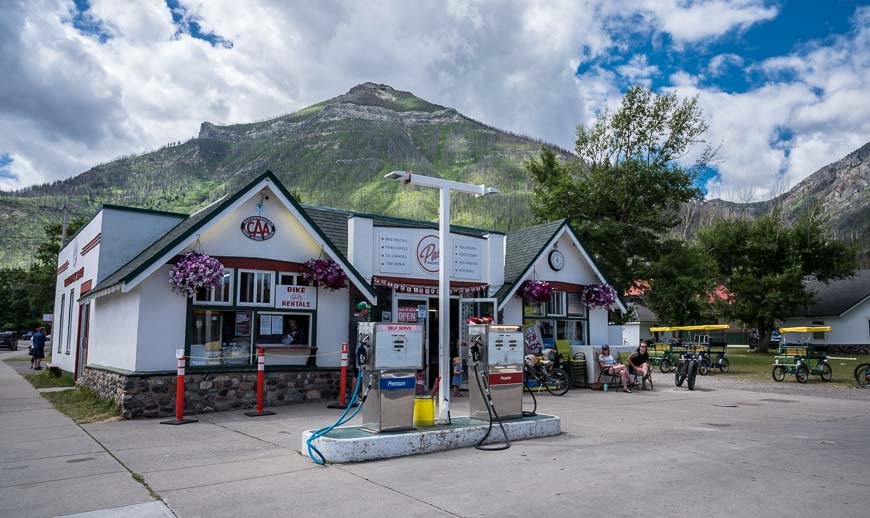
{"x": 69, "y": 318}
{"x": 289, "y": 279}
{"x": 60, "y": 322}
{"x": 221, "y": 337}
{"x": 222, "y": 294}
{"x": 284, "y": 329}
{"x": 556, "y": 306}
{"x": 255, "y": 288}
{"x": 576, "y": 308}
{"x": 534, "y": 309}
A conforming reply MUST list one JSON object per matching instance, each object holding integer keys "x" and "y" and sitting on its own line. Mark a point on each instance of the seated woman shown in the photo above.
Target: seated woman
{"x": 609, "y": 365}
{"x": 638, "y": 362}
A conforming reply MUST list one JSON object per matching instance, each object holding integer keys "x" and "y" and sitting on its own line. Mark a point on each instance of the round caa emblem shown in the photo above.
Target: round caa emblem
{"x": 258, "y": 228}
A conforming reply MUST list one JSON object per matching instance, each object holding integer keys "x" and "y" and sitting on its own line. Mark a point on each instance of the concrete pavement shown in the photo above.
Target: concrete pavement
{"x": 48, "y": 465}
{"x": 669, "y": 452}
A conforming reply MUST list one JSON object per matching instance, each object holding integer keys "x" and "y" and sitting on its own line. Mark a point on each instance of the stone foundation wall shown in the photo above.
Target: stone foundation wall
{"x": 154, "y": 395}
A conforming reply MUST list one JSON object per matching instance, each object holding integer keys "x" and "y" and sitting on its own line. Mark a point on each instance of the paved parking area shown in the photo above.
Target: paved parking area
{"x": 668, "y": 452}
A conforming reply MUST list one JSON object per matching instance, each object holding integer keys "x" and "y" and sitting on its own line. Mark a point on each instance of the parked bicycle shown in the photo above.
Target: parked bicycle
{"x": 542, "y": 374}
{"x": 687, "y": 369}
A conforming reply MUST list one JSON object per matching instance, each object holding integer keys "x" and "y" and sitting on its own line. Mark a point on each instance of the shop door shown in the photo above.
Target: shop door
{"x": 469, "y": 308}
{"x": 413, "y": 309}
{"x": 84, "y": 328}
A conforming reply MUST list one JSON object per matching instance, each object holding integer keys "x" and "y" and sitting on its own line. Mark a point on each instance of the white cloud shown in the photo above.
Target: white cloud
{"x": 73, "y": 101}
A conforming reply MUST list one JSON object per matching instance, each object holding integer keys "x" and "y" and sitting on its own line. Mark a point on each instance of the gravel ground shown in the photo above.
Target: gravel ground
{"x": 813, "y": 387}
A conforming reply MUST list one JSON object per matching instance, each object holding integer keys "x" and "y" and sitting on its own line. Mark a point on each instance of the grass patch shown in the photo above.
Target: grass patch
{"x": 45, "y": 379}
{"x": 758, "y": 366}
{"x": 45, "y": 360}
{"x": 82, "y": 405}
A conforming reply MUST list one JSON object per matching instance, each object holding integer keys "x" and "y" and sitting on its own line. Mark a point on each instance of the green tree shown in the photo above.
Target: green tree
{"x": 763, "y": 264}
{"x": 623, "y": 191}
{"x": 25, "y": 295}
{"x": 680, "y": 284}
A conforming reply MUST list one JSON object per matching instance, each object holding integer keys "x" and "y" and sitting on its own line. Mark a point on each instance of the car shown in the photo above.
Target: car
{"x": 775, "y": 339}
{"x": 9, "y": 339}
{"x": 26, "y": 336}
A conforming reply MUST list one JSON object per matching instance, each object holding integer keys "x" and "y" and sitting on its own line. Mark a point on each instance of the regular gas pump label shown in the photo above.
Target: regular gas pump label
{"x": 397, "y": 383}
{"x": 506, "y": 378}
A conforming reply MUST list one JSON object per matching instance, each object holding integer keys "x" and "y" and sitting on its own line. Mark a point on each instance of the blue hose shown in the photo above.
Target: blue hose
{"x": 320, "y": 432}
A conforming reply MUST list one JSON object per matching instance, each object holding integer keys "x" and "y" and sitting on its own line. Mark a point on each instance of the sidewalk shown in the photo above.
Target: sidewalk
{"x": 715, "y": 452}
{"x": 48, "y": 465}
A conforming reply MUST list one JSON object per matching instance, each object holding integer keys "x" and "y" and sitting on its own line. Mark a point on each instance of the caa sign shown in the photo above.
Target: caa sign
{"x": 258, "y": 228}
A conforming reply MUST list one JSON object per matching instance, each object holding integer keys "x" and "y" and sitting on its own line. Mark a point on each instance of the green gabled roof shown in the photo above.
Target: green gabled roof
{"x": 522, "y": 249}
{"x": 333, "y": 223}
{"x": 195, "y": 221}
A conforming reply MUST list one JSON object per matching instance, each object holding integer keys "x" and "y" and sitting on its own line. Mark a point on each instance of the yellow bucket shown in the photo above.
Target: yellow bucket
{"x": 424, "y": 411}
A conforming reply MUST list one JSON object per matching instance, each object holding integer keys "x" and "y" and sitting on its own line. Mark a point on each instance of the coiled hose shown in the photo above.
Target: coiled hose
{"x": 490, "y": 409}
{"x": 313, "y": 452}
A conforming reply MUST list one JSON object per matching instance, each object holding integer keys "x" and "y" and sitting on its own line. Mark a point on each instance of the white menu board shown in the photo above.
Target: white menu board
{"x": 394, "y": 251}
{"x": 466, "y": 259}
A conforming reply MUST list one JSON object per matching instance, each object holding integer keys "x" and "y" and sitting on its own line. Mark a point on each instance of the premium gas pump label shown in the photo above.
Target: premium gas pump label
{"x": 397, "y": 383}
{"x": 506, "y": 378}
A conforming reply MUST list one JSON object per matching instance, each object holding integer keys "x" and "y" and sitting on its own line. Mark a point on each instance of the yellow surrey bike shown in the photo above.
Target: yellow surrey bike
{"x": 802, "y": 358}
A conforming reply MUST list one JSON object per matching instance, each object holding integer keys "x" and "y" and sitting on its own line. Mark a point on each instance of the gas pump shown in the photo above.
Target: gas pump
{"x": 391, "y": 354}
{"x": 497, "y": 351}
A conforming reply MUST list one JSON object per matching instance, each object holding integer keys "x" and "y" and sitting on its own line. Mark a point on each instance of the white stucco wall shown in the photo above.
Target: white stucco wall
{"x": 114, "y": 330}
{"x": 89, "y": 265}
{"x": 126, "y": 233}
{"x": 598, "y": 333}
{"x": 360, "y": 236}
{"x": 576, "y": 271}
{"x": 162, "y": 317}
{"x": 853, "y": 328}
{"x": 291, "y": 241}
{"x": 513, "y": 312}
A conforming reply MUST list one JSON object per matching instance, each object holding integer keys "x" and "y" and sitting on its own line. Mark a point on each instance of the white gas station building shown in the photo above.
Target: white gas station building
{"x": 118, "y": 323}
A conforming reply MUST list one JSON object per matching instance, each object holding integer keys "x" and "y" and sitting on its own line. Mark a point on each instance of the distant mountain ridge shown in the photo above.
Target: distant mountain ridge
{"x": 335, "y": 153}
{"x": 841, "y": 189}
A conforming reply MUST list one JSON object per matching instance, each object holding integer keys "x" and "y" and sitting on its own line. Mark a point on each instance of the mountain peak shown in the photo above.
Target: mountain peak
{"x": 385, "y": 96}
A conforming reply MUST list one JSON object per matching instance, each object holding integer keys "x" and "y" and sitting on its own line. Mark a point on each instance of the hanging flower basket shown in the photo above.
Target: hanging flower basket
{"x": 536, "y": 291}
{"x": 599, "y": 296}
{"x": 195, "y": 271}
{"x": 324, "y": 272}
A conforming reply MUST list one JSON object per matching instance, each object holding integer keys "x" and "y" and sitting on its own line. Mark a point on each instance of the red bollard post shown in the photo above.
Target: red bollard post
{"x": 342, "y": 387}
{"x": 261, "y": 384}
{"x": 179, "y": 392}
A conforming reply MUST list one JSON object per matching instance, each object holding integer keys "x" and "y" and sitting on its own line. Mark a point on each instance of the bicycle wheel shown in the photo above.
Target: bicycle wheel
{"x": 862, "y": 375}
{"x": 665, "y": 365}
{"x": 703, "y": 367}
{"x": 778, "y": 373}
{"x": 724, "y": 365}
{"x": 802, "y": 374}
{"x": 558, "y": 382}
{"x": 693, "y": 374}
{"x": 680, "y": 374}
{"x": 825, "y": 371}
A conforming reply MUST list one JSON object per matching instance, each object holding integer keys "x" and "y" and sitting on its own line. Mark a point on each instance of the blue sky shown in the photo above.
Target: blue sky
{"x": 783, "y": 84}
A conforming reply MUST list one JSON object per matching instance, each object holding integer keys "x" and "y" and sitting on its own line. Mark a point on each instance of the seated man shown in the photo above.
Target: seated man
{"x": 609, "y": 365}
{"x": 638, "y": 362}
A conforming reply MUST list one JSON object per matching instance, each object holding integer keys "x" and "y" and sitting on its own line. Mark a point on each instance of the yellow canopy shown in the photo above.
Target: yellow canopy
{"x": 816, "y": 329}
{"x": 706, "y": 327}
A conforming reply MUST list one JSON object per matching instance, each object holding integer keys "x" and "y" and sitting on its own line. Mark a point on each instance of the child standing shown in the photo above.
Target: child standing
{"x": 456, "y": 380}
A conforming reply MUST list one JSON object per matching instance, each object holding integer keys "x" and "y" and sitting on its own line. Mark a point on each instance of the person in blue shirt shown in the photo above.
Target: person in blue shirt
{"x": 38, "y": 349}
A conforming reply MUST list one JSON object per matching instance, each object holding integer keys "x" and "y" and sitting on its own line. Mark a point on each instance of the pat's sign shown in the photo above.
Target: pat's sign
{"x": 258, "y": 228}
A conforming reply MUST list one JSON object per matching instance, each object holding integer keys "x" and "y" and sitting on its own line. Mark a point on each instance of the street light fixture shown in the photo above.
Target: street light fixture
{"x": 444, "y": 271}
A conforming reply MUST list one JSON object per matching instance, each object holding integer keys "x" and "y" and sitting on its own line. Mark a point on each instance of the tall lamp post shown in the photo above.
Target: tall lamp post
{"x": 444, "y": 271}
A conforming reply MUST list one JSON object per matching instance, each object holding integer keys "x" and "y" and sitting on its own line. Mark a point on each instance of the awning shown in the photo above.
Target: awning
{"x": 426, "y": 286}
